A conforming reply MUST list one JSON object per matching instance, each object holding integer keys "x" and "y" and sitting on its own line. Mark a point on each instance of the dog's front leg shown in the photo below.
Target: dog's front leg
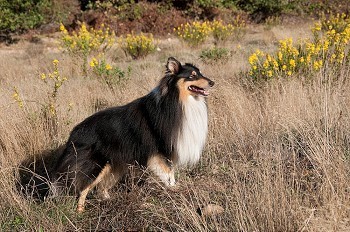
{"x": 165, "y": 171}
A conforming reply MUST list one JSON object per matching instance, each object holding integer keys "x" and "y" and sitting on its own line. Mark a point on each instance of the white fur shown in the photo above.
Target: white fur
{"x": 192, "y": 136}
{"x": 166, "y": 176}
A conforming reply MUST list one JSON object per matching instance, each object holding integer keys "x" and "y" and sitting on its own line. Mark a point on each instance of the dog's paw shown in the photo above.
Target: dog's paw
{"x": 104, "y": 195}
{"x": 171, "y": 181}
{"x": 80, "y": 208}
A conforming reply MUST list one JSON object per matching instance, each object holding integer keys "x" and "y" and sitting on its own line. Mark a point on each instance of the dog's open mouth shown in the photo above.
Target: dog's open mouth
{"x": 201, "y": 91}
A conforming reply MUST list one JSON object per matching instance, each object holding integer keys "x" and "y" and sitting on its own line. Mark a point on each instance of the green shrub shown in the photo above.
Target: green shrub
{"x": 262, "y": 9}
{"x": 215, "y": 55}
{"x": 21, "y": 15}
{"x": 126, "y": 9}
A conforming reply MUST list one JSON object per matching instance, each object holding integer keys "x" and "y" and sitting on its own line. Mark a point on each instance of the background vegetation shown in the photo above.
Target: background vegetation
{"x": 277, "y": 156}
{"x": 157, "y": 17}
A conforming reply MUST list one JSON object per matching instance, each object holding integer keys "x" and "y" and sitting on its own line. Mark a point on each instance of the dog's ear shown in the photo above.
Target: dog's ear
{"x": 173, "y": 66}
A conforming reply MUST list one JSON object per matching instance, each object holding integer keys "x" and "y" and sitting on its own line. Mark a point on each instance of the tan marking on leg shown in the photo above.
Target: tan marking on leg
{"x": 81, "y": 202}
{"x": 157, "y": 164}
{"x": 109, "y": 181}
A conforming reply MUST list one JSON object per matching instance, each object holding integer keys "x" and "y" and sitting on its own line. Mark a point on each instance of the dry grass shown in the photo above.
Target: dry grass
{"x": 277, "y": 157}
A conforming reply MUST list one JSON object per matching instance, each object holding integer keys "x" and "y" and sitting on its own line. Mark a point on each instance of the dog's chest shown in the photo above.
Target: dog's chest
{"x": 192, "y": 135}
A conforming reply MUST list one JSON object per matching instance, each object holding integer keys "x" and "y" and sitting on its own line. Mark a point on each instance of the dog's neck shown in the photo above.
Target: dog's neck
{"x": 193, "y": 132}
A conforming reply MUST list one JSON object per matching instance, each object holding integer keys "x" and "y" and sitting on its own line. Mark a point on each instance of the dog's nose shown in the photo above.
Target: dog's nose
{"x": 211, "y": 83}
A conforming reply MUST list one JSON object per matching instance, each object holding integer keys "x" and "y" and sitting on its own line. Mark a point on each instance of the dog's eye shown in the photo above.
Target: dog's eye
{"x": 193, "y": 74}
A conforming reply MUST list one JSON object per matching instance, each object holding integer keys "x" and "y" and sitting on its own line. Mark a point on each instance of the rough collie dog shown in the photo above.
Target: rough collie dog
{"x": 163, "y": 130}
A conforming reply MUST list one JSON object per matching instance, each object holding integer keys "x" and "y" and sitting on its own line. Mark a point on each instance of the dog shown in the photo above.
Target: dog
{"x": 163, "y": 130}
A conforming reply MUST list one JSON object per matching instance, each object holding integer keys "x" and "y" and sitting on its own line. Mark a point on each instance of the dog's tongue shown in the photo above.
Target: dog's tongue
{"x": 199, "y": 90}
{"x": 204, "y": 92}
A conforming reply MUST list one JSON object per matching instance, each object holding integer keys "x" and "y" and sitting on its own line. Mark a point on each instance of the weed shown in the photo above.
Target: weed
{"x": 105, "y": 72}
{"x": 15, "y": 224}
{"x": 16, "y": 96}
{"x": 55, "y": 81}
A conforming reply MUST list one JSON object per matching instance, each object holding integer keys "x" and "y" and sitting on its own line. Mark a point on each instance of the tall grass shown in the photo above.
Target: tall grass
{"x": 277, "y": 156}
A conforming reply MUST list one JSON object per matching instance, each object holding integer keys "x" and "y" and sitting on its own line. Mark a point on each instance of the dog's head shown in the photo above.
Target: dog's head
{"x": 187, "y": 78}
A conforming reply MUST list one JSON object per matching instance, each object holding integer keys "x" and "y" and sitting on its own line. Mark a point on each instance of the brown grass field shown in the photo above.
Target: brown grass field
{"x": 277, "y": 155}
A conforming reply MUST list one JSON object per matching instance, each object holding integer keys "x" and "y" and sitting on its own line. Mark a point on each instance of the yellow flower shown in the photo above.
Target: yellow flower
{"x": 55, "y": 61}
{"x": 269, "y": 73}
{"x": 289, "y": 73}
{"x": 292, "y": 63}
{"x": 63, "y": 29}
{"x": 253, "y": 59}
{"x": 108, "y": 67}
{"x": 266, "y": 64}
{"x": 317, "y": 27}
{"x": 43, "y": 76}
{"x": 280, "y": 55}
{"x": 317, "y": 65}
{"x": 52, "y": 109}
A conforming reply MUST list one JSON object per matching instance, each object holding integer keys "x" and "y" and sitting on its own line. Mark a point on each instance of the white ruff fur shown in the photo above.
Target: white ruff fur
{"x": 192, "y": 136}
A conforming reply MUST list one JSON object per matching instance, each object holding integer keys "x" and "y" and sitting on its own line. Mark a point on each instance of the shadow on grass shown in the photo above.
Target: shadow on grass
{"x": 36, "y": 172}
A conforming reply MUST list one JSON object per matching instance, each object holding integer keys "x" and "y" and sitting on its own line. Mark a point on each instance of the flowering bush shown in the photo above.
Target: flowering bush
{"x": 194, "y": 33}
{"x": 220, "y": 31}
{"x": 334, "y": 36}
{"x": 138, "y": 46}
{"x": 106, "y": 72}
{"x": 330, "y": 45}
{"x": 284, "y": 62}
{"x": 86, "y": 41}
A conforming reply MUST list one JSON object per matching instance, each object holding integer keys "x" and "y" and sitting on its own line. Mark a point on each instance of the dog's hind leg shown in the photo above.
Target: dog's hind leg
{"x": 159, "y": 166}
{"x": 104, "y": 172}
{"x": 109, "y": 181}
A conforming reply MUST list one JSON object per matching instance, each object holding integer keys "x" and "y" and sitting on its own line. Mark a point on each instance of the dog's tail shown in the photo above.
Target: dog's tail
{"x": 36, "y": 173}
{"x": 77, "y": 168}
